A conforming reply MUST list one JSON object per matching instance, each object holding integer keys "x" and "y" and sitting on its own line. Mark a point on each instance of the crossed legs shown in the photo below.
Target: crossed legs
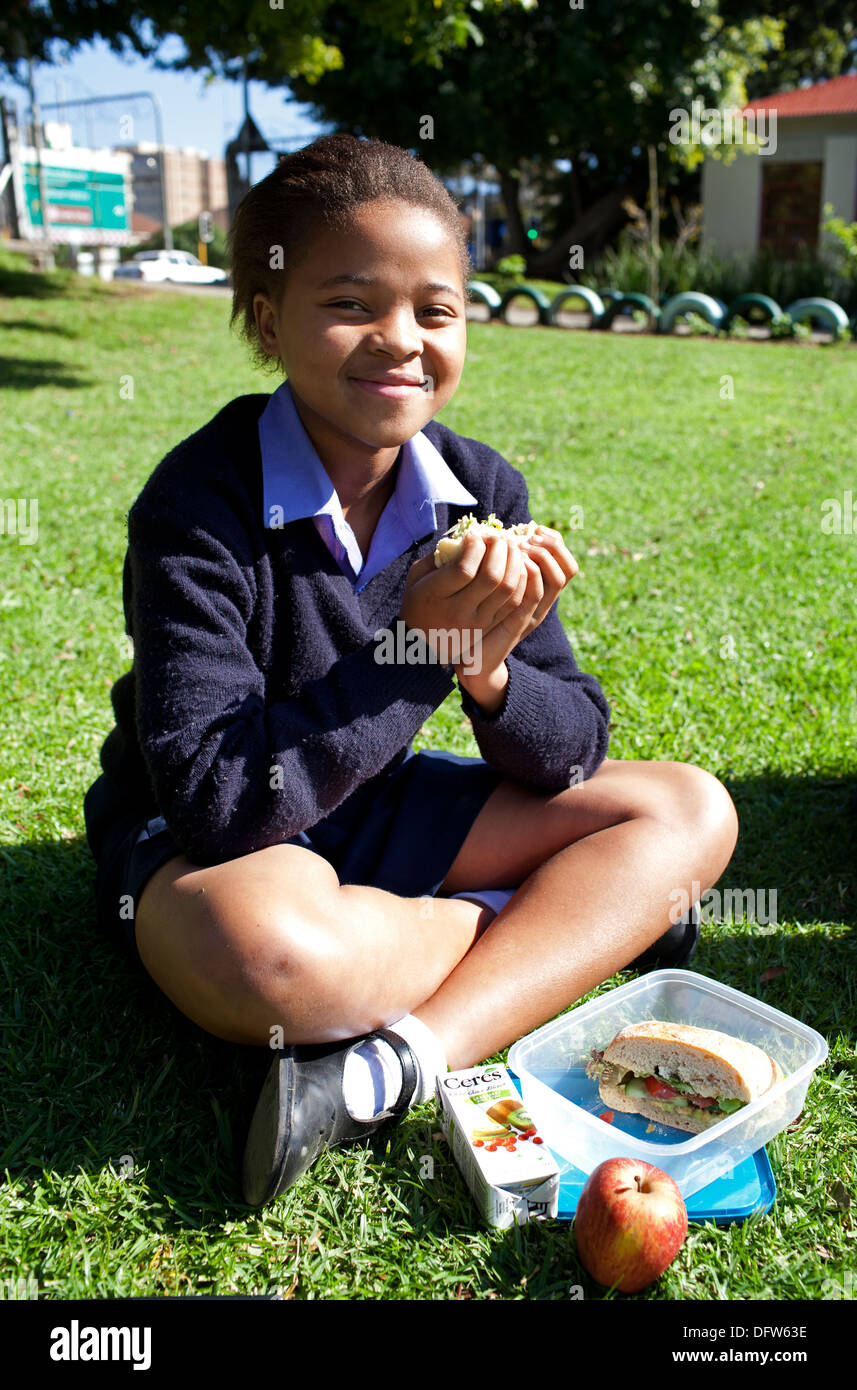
{"x": 272, "y": 940}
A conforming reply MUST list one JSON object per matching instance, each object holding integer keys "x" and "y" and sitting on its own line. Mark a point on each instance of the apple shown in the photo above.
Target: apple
{"x": 630, "y": 1223}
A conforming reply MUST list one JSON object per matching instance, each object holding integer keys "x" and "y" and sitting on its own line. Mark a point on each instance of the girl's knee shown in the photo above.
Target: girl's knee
{"x": 291, "y": 976}
{"x": 681, "y": 796}
{"x": 702, "y": 803}
{"x": 248, "y": 955}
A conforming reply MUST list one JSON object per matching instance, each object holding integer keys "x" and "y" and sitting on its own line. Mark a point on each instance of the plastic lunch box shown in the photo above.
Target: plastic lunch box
{"x": 566, "y": 1105}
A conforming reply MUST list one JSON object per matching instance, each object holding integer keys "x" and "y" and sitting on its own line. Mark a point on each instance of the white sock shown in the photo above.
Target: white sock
{"x": 372, "y": 1078}
{"x": 495, "y": 898}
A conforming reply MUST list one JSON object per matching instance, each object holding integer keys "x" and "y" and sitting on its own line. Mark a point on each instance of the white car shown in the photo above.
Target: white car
{"x": 177, "y": 266}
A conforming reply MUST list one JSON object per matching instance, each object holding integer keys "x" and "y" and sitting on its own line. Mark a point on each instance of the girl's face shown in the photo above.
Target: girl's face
{"x": 371, "y": 327}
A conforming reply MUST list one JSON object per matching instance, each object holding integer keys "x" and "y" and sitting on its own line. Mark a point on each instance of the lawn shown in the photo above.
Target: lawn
{"x": 715, "y": 605}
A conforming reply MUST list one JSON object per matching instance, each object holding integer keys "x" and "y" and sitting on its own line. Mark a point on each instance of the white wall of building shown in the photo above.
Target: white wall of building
{"x": 731, "y": 203}
{"x": 839, "y": 180}
{"x": 732, "y": 193}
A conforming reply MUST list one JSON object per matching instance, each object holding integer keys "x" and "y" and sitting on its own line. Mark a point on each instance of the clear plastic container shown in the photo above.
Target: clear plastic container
{"x": 565, "y": 1103}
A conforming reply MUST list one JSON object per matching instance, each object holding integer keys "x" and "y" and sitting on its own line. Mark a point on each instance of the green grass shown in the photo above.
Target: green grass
{"x": 718, "y": 617}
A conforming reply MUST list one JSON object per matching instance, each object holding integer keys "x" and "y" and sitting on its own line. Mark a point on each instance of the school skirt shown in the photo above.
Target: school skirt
{"x": 404, "y": 839}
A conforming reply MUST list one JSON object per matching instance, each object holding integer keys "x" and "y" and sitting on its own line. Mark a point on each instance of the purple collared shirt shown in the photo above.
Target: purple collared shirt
{"x": 296, "y": 484}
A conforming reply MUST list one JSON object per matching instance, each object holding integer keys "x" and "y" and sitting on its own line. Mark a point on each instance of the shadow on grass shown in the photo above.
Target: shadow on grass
{"x": 798, "y": 836}
{"x": 32, "y": 284}
{"x": 38, "y": 326}
{"x": 102, "y": 1071}
{"x": 27, "y": 373}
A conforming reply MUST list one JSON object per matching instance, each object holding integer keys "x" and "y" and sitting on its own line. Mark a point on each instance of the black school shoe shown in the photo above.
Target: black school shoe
{"x": 675, "y": 948}
{"x": 301, "y": 1111}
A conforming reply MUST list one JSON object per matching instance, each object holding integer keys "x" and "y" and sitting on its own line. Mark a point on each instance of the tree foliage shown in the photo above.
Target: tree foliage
{"x": 518, "y": 84}
{"x": 819, "y": 42}
{"x": 280, "y": 38}
{"x": 593, "y": 86}
{"x": 544, "y": 82}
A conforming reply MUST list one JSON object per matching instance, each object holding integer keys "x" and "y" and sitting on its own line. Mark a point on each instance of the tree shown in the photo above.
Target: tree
{"x": 512, "y": 83}
{"x": 819, "y": 42}
{"x": 594, "y": 86}
{"x": 287, "y": 37}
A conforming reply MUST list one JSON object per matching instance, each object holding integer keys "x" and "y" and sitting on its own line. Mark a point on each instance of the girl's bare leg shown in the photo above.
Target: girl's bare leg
{"x": 586, "y": 911}
{"x": 273, "y": 940}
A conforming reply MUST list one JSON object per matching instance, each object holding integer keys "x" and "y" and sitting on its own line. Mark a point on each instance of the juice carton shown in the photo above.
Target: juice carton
{"x": 510, "y": 1172}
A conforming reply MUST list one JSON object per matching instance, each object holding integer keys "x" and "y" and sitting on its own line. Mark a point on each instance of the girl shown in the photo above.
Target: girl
{"x": 272, "y": 851}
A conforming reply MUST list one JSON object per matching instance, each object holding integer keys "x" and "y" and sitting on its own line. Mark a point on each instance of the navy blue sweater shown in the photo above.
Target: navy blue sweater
{"x": 255, "y": 706}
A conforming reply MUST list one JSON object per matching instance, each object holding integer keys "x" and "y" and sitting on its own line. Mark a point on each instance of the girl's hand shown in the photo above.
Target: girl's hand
{"x": 548, "y": 567}
{"x": 491, "y": 597}
{"x": 548, "y": 549}
{"x": 467, "y": 598}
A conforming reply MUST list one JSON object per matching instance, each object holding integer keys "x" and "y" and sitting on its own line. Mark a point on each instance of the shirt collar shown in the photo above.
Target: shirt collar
{"x": 296, "y": 483}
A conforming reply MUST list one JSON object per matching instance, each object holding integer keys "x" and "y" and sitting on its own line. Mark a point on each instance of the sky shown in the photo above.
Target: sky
{"x": 195, "y": 116}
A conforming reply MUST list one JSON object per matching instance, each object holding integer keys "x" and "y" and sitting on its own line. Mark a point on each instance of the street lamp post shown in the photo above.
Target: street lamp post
{"x": 48, "y": 254}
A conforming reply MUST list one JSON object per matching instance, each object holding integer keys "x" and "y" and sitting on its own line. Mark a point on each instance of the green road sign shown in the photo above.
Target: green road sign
{"x": 78, "y": 198}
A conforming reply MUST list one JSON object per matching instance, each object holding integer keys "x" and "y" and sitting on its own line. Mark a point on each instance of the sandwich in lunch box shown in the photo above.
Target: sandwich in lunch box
{"x": 681, "y": 1075}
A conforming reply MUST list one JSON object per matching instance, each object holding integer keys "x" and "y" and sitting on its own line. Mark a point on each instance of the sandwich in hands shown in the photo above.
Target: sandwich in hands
{"x": 680, "y": 1075}
{"x": 450, "y": 546}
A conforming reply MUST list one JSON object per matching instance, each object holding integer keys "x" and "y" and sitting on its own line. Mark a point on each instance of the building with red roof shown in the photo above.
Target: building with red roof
{"x": 807, "y": 142}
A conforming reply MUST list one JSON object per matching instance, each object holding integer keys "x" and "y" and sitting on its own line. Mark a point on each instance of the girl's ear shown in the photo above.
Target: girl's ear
{"x": 265, "y": 324}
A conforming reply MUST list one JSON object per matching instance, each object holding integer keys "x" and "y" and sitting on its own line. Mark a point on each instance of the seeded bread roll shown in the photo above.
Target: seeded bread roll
{"x": 709, "y": 1063}
{"x": 449, "y": 547}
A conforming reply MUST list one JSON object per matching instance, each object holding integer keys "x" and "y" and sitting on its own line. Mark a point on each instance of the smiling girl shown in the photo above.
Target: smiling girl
{"x": 270, "y": 848}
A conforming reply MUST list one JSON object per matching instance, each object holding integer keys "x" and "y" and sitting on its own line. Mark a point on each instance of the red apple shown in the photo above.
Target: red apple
{"x": 630, "y": 1223}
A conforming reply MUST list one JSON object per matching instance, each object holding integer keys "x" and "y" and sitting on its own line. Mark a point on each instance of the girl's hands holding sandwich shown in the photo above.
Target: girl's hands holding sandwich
{"x": 486, "y": 601}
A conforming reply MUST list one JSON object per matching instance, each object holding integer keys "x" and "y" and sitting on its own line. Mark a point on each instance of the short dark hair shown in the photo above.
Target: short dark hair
{"x": 322, "y": 184}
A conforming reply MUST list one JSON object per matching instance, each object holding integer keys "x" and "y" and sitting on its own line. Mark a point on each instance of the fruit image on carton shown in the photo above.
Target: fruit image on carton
{"x": 512, "y": 1176}
{"x": 510, "y": 1112}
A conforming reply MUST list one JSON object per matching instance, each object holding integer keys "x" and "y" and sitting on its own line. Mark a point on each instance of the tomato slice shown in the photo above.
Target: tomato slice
{"x": 703, "y": 1102}
{"x": 659, "y": 1089}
